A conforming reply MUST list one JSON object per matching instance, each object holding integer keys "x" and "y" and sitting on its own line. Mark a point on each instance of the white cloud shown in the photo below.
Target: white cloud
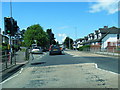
{"x": 62, "y": 36}
{"x": 56, "y": 40}
{"x": 111, "y": 6}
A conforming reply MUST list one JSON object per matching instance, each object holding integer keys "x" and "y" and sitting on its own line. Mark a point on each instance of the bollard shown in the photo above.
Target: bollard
{"x": 27, "y": 54}
{"x": 6, "y": 59}
{"x": 15, "y": 57}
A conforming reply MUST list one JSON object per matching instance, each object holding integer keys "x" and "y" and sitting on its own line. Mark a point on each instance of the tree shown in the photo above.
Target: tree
{"x": 51, "y": 37}
{"x": 68, "y": 42}
{"x": 36, "y": 32}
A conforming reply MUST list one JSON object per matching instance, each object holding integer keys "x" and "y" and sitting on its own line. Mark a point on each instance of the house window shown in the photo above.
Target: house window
{"x": 109, "y": 44}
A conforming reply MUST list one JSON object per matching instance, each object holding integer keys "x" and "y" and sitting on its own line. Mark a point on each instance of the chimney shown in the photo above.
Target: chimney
{"x": 105, "y": 27}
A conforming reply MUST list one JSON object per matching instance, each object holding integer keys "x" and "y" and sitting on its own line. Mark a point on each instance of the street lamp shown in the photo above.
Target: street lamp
{"x": 69, "y": 42}
{"x": 75, "y": 37}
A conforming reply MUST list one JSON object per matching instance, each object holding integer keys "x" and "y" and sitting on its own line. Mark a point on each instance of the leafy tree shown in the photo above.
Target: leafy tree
{"x": 68, "y": 41}
{"x": 57, "y": 43}
{"x": 36, "y": 32}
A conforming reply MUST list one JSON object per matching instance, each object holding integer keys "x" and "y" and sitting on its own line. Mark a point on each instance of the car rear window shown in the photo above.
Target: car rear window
{"x": 36, "y": 48}
{"x": 55, "y": 47}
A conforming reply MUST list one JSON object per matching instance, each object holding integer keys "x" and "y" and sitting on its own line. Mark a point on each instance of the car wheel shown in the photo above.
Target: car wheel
{"x": 50, "y": 54}
{"x": 60, "y": 52}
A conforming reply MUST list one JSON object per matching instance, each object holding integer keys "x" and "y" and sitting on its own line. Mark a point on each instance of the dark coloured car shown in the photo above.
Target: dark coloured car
{"x": 54, "y": 50}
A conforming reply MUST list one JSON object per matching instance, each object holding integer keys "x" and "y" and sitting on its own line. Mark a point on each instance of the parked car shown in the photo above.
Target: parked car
{"x": 37, "y": 50}
{"x": 54, "y": 49}
{"x": 44, "y": 49}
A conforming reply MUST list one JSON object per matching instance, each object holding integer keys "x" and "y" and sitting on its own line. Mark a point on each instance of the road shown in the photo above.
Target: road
{"x": 70, "y": 70}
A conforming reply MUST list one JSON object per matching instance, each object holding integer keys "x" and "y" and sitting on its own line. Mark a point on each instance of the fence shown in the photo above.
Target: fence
{"x": 107, "y": 51}
{"x": 7, "y": 60}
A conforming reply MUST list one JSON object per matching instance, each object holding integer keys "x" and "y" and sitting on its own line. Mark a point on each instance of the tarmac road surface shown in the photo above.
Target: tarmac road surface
{"x": 66, "y": 71}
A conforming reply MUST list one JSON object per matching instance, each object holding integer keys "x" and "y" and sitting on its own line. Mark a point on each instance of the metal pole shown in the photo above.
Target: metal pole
{"x": 11, "y": 8}
{"x": 75, "y": 37}
{"x": 69, "y": 43}
{"x": 10, "y": 35}
{"x": 10, "y": 50}
{"x": 6, "y": 60}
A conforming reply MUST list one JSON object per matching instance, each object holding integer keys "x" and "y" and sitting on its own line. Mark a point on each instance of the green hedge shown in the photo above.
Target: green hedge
{"x": 83, "y": 48}
{"x": 4, "y": 46}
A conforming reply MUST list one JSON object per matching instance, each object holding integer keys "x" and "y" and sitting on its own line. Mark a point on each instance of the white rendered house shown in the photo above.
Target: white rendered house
{"x": 109, "y": 40}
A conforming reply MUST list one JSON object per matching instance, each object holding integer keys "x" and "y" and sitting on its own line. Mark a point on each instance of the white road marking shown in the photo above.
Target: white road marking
{"x": 104, "y": 70}
{"x": 11, "y": 77}
{"x": 39, "y": 57}
{"x": 19, "y": 72}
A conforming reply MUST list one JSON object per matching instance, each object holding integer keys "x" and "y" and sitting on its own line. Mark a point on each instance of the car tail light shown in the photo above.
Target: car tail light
{"x": 49, "y": 49}
{"x": 60, "y": 48}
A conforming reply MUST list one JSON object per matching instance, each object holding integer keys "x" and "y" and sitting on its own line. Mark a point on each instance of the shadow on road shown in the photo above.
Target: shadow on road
{"x": 56, "y": 54}
{"x": 36, "y": 63}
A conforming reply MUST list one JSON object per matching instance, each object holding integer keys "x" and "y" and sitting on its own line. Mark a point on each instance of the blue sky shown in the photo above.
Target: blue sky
{"x": 73, "y": 19}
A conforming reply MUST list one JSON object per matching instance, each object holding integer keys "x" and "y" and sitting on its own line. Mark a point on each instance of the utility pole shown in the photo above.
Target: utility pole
{"x": 11, "y": 8}
{"x": 69, "y": 43}
{"x": 10, "y": 35}
{"x": 75, "y": 38}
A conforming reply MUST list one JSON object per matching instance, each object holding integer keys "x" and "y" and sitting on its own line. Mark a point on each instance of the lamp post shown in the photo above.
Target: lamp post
{"x": 75, "y": 38}
{"x": 69, "y": 42}
{"x": 10, "y": 42}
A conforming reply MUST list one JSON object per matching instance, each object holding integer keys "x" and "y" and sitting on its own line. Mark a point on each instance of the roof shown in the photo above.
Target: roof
{"x": 112, "y": 30}
{"x": 104, "y": 31}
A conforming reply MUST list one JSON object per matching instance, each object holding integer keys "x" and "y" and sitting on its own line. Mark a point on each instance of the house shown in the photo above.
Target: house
{"x": 102, "y": 39}
{"x": 109, "y": 39}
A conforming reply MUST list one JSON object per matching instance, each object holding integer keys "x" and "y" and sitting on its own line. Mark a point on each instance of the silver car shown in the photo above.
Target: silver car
{"x": 36, "y": 50}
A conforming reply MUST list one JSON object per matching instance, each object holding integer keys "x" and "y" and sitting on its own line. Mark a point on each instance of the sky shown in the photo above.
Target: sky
{"x": 73, "y": 19}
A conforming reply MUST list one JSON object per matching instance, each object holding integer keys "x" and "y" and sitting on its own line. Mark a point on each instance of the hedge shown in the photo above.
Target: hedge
{"x": 82, "y": 48}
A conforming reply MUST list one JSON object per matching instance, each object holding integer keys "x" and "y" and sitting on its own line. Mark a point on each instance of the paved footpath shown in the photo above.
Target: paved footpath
{"x": 76, "y": 53}
{"x": 20, "y": 61}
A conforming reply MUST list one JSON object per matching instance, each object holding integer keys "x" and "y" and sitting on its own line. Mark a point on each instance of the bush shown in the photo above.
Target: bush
{"x": 80, "y": 48}
{"x": 4, "y": 46}
{"x": 0, "y": 47}
{"x": 84, "y": 48}
{"x": 15, "y": 47}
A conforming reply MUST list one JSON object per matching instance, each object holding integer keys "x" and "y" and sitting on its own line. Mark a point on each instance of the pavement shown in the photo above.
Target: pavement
{"x": 112, "y": 54}
{"x": 108, "y": 53}
{"x": 20, "y": 61}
